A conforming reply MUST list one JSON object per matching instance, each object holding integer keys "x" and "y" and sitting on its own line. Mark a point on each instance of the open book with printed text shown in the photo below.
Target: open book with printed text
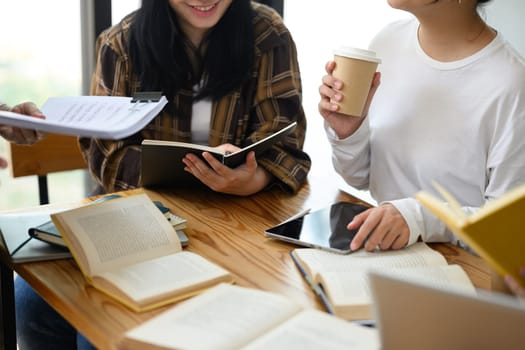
{"x": 341, "y": 281}
{"x": 126, "y": 248}
{"x": 233, "y": 317}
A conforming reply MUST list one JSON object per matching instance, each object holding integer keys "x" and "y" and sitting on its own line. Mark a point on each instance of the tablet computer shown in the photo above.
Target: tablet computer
{"x": 323, "y": 229}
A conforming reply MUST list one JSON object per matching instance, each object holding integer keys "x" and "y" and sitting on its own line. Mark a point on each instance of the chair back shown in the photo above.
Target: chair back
{"x": 54, "y": 153}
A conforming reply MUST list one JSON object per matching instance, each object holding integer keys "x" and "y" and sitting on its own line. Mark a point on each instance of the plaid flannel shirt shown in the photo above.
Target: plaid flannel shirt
{"x": 269, "y": 101}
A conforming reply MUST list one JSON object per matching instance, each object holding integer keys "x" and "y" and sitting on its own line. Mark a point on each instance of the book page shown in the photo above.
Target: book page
{"x": 225, "y": 317}
{"x": 313, "y": 330}
{"x": 418, "y": 254}
{"x": 186, "y": 147}
{"x": 176, "y": 274}
{"x": 116, "y": 233}
{"x": 353, "y": 287}
{"x": 235, "y": 159}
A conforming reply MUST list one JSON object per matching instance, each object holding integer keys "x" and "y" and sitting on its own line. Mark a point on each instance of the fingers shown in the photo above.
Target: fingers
{"x": 514, "y": 286}
{"x": 3, "y": 163}
{"x": 20, "y": 136}
{"x": 329, "y": 67}
{"x": 332, "y": 82}
{"x": 382, "y": 228}
{"x": 228, "y": 147}
{"x": 199, "y": 168}
{"x": 251, "y": 162}
{"x": 328, "y": 93}
{"x": 28, "y": 108}
{"x": 325, "y": 105}
{"x": 363, "y": 232}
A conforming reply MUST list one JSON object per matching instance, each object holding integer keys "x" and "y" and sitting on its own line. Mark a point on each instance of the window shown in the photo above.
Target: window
{"x": 317, "y": 30}
{"x": 39, "y": 58}
{"x": 120, "y": 8}
{"x": 42, "y": 58}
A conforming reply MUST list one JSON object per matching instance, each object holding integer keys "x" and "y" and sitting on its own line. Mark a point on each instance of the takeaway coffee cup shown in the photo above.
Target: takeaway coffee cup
{"x": 355, "y": 68}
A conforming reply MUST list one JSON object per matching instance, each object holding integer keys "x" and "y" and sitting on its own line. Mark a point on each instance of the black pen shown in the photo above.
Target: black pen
{"x": 317, "y": 288}
{"x": 365, "y": 323}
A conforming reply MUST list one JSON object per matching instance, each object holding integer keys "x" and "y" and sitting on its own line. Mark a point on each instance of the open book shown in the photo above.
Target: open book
{"x": 341, "y": 281}
{"x": 233, "y": 317}
{"x": 105, "y": 117}
{"x": 126, "y": 248}
{"x": 495, "y": 231}
{"x": 162, "y": 160}
{"x": 48, "y": 232}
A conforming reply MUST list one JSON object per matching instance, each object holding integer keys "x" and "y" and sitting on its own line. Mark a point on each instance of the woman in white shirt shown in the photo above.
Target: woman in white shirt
{"x": 447, "y": 105}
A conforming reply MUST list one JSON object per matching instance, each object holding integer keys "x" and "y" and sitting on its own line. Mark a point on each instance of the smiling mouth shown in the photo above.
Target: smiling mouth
{"x": 204, "y": 8}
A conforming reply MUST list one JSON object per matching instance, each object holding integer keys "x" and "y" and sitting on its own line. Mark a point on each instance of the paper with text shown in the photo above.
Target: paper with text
{"x": 107, "y": 117}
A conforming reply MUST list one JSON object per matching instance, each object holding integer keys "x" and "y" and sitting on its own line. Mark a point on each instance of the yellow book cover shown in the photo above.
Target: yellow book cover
{"x": 495, "y": 231}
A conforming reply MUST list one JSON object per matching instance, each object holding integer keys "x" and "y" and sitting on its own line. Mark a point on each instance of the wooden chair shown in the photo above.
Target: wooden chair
{"x": 53, "y": 154}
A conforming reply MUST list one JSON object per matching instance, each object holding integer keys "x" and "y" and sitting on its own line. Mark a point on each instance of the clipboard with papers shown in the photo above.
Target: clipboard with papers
{"x": 105, "y": 117}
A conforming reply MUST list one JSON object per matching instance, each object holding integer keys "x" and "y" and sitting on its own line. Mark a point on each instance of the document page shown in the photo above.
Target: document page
{"x": 110, "y": 117}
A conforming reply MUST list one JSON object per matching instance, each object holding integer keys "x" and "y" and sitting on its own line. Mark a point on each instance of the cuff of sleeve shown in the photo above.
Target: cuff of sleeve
{"x": 406, "y": 207}
{"x": 361, "y": 133}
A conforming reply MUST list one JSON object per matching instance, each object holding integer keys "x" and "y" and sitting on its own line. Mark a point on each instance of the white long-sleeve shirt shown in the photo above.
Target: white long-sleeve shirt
{"x": 461, "y": 124}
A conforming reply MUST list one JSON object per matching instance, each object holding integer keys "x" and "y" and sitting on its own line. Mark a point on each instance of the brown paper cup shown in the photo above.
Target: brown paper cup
{"x": 355, "y": 68}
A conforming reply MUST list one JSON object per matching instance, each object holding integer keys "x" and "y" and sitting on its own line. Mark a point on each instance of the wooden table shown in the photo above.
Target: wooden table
{"x": 227, "y": 230}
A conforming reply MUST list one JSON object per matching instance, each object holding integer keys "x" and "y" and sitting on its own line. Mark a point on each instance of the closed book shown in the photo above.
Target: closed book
{"x": 47, "y": 232}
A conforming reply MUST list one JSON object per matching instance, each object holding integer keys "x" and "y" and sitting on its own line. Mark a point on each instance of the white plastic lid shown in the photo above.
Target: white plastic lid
{"x": 360, "y": 54}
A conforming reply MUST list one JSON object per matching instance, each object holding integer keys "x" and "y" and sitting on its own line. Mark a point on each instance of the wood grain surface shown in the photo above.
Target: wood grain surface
{"x": 228, "y": 230}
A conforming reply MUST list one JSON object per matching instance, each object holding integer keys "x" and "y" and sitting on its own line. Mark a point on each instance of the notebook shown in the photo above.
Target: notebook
{"x": 18, "y": 246}
{"x": 412, "y": 315}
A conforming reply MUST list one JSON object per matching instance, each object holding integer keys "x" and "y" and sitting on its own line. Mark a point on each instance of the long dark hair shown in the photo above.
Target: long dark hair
{"x": 161, "y": 62}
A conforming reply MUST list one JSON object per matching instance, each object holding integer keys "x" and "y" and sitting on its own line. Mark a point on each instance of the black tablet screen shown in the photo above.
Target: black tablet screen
{"x": 324, "y": 228}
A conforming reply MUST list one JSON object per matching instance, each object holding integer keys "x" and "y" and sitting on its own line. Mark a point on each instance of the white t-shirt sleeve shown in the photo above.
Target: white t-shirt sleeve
{"x": 351, "y": 156}
{"x": 422, "y": 223}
